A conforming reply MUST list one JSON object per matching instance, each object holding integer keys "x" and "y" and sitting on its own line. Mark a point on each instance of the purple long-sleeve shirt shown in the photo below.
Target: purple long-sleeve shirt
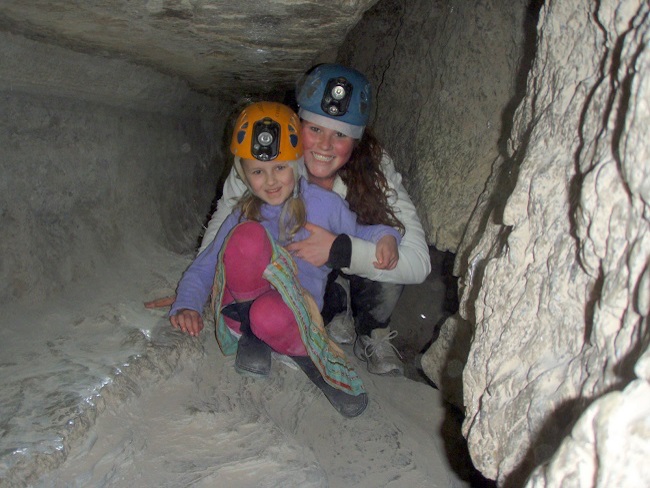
{"x": 324, "y": 208}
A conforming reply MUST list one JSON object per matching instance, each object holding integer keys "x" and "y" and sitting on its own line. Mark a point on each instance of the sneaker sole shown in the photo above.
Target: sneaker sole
{"x": 391, "y": 372}
{"x": 251, "y": 374}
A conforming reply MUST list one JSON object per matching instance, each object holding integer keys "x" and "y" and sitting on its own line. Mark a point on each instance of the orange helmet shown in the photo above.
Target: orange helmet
{"x": 267, "y": 131}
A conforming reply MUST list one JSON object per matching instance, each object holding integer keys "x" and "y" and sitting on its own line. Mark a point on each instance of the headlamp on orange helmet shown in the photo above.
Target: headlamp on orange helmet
{"x": 267, "y": 131}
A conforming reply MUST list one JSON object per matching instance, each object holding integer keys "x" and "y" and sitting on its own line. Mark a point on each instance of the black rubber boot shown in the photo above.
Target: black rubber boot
{"x": 346, "y": 404}
{"x": 253, "y": 355}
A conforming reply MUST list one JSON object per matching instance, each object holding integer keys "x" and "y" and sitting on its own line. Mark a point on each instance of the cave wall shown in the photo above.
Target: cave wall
{"x": 444, "y": 75}
{"x": 556, "y": 265}
{"x": 99, "y": 159}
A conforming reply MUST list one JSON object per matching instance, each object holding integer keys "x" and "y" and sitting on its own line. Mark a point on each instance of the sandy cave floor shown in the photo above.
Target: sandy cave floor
{"x": 208, "y": 426}
{"x": 99, "y": 391}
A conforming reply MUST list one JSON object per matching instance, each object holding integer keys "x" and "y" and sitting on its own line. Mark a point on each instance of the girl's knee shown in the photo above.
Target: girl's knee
{"x": 249, "y": 236}
{"x": 271, "y": 316}
{"x": 274, "y": 323}
{"x": 247, "y": 254}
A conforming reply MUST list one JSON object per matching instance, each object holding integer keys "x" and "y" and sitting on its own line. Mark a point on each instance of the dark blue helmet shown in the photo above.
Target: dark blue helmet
{"x": 336, "y": 97}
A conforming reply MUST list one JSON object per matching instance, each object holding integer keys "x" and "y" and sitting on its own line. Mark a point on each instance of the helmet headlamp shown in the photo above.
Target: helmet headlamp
{"x": 265, "y": 141}
{"x": 336, "y": 98}
{"x": 338, "y": 92}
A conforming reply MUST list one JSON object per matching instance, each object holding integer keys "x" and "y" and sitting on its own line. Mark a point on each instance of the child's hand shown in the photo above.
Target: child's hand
{"x": 188, "y": 321}
{"x": 386, "y": 253}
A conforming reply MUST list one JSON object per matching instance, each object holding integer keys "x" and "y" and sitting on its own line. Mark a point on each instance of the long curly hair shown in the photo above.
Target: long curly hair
{"x": 368, "y": 190}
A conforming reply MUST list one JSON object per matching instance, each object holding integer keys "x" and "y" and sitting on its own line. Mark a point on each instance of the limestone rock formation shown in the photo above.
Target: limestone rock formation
{"x": 91, "y": 151}
{"x": 444, "y": 74}
{"x": 219, "y": 46}
{"x": 558, "y": 282}
{"x": 608, "y": 446}
{"x": 444, "y": 361}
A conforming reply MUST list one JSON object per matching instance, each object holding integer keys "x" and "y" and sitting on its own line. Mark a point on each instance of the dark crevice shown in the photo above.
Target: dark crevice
{"x": 590, "y": 307}
{"x": 400, "y": 22}
{"x": 624, "y": 369}
{"x": 625, "y": 95}
{"x": 457, "y": 449}
{"x": 510, "y": 168}
{"x": 529, "y": 52}
{"x": 555, "y": 428}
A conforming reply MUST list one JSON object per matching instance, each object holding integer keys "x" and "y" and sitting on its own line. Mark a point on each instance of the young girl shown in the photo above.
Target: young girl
{"x": 268, "y": 298}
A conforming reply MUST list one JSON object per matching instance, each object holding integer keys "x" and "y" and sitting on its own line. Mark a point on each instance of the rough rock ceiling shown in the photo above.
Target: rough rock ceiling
{"x": 218, "y": 46}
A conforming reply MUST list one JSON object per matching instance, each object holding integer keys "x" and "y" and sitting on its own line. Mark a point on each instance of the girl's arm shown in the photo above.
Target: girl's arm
{"x": 195, "y": 286}
{"x": 330, "y": 222}
{"x": 233, "y": 188}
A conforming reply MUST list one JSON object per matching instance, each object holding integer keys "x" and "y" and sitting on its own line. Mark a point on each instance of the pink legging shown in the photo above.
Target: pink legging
{"x": 247, "y": 254}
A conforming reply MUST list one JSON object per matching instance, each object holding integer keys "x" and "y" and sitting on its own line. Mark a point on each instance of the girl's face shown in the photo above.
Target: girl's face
{"x": 326, "y": 151}
{"x": 272, "y": 182}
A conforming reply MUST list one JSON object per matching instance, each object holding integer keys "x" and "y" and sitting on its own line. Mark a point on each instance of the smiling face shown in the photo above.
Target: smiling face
{"x": 273, "y": 182}
{"x": 326, "y": 151}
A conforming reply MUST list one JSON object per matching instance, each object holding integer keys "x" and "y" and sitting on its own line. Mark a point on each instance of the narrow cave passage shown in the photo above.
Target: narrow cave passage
{"x": 519, "y": 131}
{"x": 110, "y": 192}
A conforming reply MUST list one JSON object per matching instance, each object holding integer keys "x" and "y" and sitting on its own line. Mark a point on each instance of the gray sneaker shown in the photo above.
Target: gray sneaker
{"x": 379, "y": 353}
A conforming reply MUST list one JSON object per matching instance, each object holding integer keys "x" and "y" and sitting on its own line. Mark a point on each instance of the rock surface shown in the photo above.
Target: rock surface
{"x": 554, "y": 261}
{"x": 444, "y": 361}
{"x": 220, "y": 47}
{"x": 608, "y": 446}
{"x": 98, "y": 155}
{"x": 208, "y": 426}
{"x": 108, "y": 394}
{"x": 558, "y": 282}
{"x": 107, "y": 170}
